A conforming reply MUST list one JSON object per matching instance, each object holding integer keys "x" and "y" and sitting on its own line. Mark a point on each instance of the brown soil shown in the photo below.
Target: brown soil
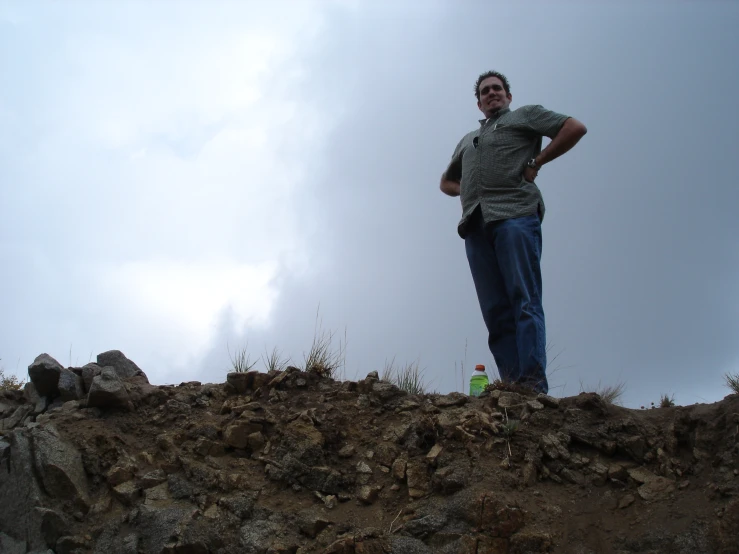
{"x": 293, "y": 462}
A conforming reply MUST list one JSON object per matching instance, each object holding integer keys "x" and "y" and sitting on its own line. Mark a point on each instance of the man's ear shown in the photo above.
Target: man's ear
{"x": 479, "y": 105}
{"x": 509, "y": 96}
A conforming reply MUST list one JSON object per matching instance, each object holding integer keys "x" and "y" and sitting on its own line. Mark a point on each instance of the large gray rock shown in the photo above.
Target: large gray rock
{"x": 408, "y": 545}
{"x": 9, "y": 545}
{"x": 70, "y": 386}
{"x": 6, "y": 409}
{"x": 113, "y": 540}
{"x": 108, "y": 391}
{"x": 20, "y": 494}
{"x": 157, "y": 526}
{"x": 39, "y": 403}
{"x": 59, "y": 467}
{"x": 16, "y": 417}
{"x": 89, "y": 372}
{"x": 44, "y": 373}
{"x": 124, "y": 367}
{"x": 53, "y": 525}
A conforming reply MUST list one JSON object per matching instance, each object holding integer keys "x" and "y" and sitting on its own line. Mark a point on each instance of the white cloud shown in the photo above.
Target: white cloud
{"x": 187, "y": 299}
{"x": 167, "y": 159}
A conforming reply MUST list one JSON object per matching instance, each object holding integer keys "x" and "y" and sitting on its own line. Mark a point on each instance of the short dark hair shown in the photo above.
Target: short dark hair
{"x": 489, "y": 74}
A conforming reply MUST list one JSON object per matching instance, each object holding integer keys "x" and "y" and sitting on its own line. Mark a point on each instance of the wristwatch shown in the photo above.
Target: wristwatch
{"x": 532, "y": 164}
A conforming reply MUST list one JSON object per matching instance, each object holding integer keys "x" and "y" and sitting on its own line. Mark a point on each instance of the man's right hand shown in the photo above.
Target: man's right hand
{"x": 449, "y": 187}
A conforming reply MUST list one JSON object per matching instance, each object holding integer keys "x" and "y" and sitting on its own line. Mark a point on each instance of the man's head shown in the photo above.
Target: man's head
{"x": 493, "y": 92}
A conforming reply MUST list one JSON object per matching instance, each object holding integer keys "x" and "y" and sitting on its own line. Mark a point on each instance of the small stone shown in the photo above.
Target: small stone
{"x": 683, "y": 485}
{"x": 312, "y": 526}
{"x": 346, "y": 452}
{"x": 120, "y": 473}
{"x": 548, "y": 401}
{"x": 158, "y": 493}
{"x": 399, "y": 467}
{"x": 418, "y": 479}
{"x": 256, "y": 441}
{"x": 434, "y": 453}
{"x": 367, "y": 494}
{"x": 330, "y": 501}
{"x": 152, "y": 479}
{"x": 535, "y": 405}
{"x": 237, "y": 434}
{"x": 126, "y": 492}
{"x": 529, "y": 474}
{"x": 363, "y": 468}
{"x": 509, "y": 400}
{"x": 395, "y": 487}
{"x": 451, "y": 400}
{"x": 248, "y": 407}
{"x": 626, "y": 501}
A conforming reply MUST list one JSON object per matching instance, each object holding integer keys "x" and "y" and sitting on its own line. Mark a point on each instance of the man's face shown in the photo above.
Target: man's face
{"x": 493, "y": 96}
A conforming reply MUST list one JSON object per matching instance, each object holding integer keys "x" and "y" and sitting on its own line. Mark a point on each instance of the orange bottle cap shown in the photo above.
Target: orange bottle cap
{"x": 480, "y": 367}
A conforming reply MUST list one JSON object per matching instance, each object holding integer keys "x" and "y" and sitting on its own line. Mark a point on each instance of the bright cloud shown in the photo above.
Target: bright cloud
{"x": 183, "y": 140}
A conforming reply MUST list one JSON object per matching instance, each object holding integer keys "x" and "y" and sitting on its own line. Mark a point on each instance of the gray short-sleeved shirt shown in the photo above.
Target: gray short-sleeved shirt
{"x": 489, "y": 163}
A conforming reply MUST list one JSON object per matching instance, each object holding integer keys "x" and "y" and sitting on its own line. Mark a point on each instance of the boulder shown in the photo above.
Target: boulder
{"x": 108, "y": 391}
{"x": 20, "y": 494}
{"x": 59, "y": 467}
{"x": 89, "y": 372}
{"x": 124, "y": 368}
{"x": 31, "y": 394}
{"x": 16, "y": 417}
{"x": 44, "y": 373}
{"x": 70, "y": 386}
{"x": 9, "y": 545}
{"x": 53, "y": 525}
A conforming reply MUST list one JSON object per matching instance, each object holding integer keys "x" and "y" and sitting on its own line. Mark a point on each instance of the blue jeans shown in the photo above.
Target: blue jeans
{"x": 504, "y": 258}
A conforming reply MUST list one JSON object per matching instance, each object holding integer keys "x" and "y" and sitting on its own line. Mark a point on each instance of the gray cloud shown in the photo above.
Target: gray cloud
{"x": 639, "y": 256}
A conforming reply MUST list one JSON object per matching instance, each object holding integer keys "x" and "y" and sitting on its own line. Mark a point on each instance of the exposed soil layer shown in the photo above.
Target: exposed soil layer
{"x": 291, "y": 462}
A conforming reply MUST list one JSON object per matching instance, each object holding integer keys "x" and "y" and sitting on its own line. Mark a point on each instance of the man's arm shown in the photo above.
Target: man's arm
{"x": 449, "y": 186}
{"x": 568, "y": 136}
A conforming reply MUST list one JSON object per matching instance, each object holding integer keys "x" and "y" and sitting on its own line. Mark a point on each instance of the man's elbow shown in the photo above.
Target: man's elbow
{"x": 577, "y": 127}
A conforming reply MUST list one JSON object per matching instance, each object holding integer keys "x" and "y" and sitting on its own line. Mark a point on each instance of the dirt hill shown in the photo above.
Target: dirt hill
{"x": 96, "y": 459}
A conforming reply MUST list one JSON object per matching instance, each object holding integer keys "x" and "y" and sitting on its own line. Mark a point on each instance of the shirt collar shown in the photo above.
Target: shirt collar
{"x": 496, "y": 115}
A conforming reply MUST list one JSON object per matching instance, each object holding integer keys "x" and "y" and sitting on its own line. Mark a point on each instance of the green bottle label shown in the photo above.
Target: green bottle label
{"x": 478, "y": 384}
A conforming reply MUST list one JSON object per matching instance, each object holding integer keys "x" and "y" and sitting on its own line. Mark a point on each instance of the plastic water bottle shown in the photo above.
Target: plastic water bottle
{"x": 478, "y": 381}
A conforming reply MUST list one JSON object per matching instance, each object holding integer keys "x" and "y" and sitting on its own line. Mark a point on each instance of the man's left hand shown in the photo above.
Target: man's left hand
{"x": 529, "y": 174}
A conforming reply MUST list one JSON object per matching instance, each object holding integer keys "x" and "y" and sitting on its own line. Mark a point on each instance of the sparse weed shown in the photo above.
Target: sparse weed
{"x": 323, "y": 359}
{"x": 10, "y": 382}
{"x": 459, "y": 373}
{"x": 509, "y": 428}
{"x": 408, "y": 377}
{"x": 274, "y": 361}
{"x": 667, "y": 401}
{"x": 611, "y": 394}
{"x": 240, "y": 360}
{"x": 732, "y": 381}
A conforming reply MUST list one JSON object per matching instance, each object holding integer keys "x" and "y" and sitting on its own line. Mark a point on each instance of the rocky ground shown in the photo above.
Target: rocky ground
{"x": 96, "y": 459}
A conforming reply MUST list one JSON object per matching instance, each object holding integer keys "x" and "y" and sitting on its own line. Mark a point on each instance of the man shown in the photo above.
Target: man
{"x": 494, "y": 169}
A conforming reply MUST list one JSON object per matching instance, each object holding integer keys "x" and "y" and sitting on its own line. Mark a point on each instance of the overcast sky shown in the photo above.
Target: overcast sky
{"x": 176, "y": 181}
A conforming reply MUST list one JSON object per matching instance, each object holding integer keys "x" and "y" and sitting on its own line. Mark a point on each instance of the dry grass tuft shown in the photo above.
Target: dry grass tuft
{"x": 408, "y": 377}
{"x": 667, "y": 401}
{"x": 610, "y": 394}
{"x": 240, "y": 360}
{"x": 732, "y": 381}
{"x": 324, "y": 359}
{"x": 274, "y": 361}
